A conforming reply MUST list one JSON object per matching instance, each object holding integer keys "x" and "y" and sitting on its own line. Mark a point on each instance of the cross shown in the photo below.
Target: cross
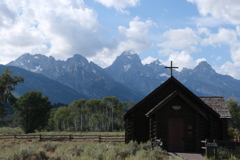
{"x": 171, "y": 68}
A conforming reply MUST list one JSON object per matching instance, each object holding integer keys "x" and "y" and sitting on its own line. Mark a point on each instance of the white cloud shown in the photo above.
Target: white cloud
{"x": 179, "y": 44}
{"x": 57, "y": 28}
{"x": 181, "y": 60}
{"x": 133, "y": 38}
{"x": 226, "y": 11}
{"x": 230, "y": 69}
{"x": 235, "y": 53}
{"x": 119, "y": 5}
{"x": 200, "y": 60}
{"x": 148, "y": 60}
{"x": 7, "y": 17}
{"x": 180, "y": 39}
{"x": 224, "y": 36}
{"x": 203, "y": 30}
{"x": 64, "y": 28}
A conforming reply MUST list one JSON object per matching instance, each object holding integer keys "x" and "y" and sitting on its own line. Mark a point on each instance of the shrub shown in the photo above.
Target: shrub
{"x": 236, "y": 152}
{"x": 24, "y": 152}
{"x": 50, "y": 146}
{"x": 10, "y": 131}
{"x": 68, "y": 150}
{"x": 223, "y": 153}
{"x": 146, "y": 146}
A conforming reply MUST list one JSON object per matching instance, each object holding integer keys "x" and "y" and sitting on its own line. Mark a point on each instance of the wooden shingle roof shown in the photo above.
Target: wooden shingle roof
{"x": 218, "y": 104}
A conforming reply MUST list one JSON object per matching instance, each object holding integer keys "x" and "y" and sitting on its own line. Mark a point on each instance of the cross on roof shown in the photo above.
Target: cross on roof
{"x": 171, "y": 68}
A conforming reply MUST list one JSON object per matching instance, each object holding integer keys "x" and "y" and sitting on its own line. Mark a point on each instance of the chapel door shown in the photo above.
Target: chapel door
{"x": 176, "y": 135}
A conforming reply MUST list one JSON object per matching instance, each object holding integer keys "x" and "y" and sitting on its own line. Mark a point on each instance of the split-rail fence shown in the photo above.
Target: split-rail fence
{"x": 211, "y": 147}
{"x": 70, "y": 137}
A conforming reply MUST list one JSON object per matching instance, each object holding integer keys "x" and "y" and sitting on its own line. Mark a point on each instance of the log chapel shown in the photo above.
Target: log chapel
{"x": 178, "y": 117}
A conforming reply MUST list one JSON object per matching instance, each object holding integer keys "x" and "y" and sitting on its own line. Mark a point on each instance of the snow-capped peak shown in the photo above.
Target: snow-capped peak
{"x": 127, "y": 53}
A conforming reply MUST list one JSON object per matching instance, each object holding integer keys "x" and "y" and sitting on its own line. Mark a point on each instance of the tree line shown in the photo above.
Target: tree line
{"x": 104, "y": 114}
{"x": 33, "y": 111}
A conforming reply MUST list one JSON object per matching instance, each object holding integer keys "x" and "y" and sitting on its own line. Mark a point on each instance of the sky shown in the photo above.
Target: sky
{"x": 183, "y": 31}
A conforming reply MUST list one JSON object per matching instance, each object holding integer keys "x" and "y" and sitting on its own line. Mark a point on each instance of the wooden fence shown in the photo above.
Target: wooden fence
{"x": 211, "y": 147}
{"x": 75, "y": 138}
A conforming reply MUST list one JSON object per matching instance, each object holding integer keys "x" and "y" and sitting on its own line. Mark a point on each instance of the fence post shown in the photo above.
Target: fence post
{"x": 15, "y": 137}
{"x": 152, "y": 143}
{"x": 206, "y": 150}
{"x": 70, "y": 137}
{"x": 215, "y": 150}
{"x": 40, "y": 137}
{"x": 99, "y": 139}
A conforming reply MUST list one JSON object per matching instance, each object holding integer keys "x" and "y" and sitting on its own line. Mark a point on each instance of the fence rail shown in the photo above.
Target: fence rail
{"x": 70, "y": 137}
{"x": 211, "y": 147}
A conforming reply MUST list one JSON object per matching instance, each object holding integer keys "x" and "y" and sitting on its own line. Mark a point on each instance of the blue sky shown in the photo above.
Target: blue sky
{"x": 183, "y": 31}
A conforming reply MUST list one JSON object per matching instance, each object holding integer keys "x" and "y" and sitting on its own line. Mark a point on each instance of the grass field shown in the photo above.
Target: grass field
{"x": 84, "y": 151}
{"x": 35, "y": 150}
{"x": 22, "y": 149}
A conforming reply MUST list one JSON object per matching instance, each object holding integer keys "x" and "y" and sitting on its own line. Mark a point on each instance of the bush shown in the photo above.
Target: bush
{"x": 50, "y": 146}
{"x": 223, "y": 153}
{"x": 24, "y": 152}
{"x": 10, "y": 131}
{"x": 82, "y": 151}
{"x": 236, "y": 152}
{"x": 69, "y": 150}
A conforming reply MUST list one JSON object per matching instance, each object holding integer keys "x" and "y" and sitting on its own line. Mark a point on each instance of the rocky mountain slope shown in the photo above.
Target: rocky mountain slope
{"x": 56, "y": 91}
{"x": 127, "y": 78}
{"x": 202, "y": 80}
{"x": 128, "y": 69}
{"x": 76, "y": 72}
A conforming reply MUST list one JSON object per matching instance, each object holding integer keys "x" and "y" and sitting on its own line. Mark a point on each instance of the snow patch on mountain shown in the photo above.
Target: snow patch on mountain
{"x": 163, "y": 75}
{"x": 126, "y": 53}
{"x": 126, "y": 67}
{"x": 38, "y": 68}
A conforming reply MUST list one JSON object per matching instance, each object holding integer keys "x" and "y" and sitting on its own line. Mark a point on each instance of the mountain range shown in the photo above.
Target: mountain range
{"x": 56, "y": 91}
{"x": 127, "y": 78}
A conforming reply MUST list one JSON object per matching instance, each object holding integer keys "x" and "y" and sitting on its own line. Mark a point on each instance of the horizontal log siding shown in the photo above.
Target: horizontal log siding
{"x": 143, "y": 129}
{"x": 141, "y": 122}
{"x": 186, "y": 113}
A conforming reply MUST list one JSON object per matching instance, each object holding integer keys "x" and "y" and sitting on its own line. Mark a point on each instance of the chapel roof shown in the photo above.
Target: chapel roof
{"x": 169, "y": 98}
{"x": 218, "y": 104}
{"x": 183, "y": 88}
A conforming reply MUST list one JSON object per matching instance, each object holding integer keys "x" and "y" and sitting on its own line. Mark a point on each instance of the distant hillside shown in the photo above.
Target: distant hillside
{"x": 56, "y": 91}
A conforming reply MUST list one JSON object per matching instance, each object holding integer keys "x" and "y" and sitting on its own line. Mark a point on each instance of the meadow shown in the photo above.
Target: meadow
{"x": 25, "y": 149}
{"x": 65, "y": 150}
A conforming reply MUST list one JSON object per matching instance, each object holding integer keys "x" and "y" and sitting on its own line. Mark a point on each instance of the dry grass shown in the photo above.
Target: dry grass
{"x": 34, "y": 150}
{"x": 73, "y": 150}
{"x": 10, "y": 131}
